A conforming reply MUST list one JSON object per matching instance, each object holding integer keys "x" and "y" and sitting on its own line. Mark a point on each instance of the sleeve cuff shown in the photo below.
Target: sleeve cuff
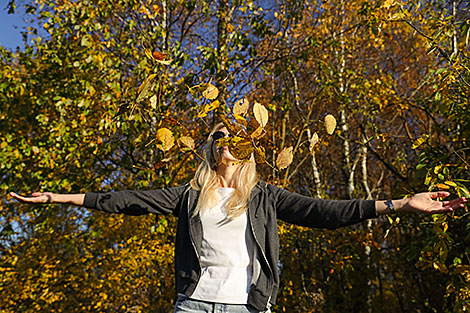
{"x": 90, "y": 200}
{"x": 369, "y": 209}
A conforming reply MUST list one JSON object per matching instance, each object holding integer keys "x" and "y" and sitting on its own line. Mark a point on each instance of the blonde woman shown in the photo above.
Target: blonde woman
{"x": 227, "y": 244}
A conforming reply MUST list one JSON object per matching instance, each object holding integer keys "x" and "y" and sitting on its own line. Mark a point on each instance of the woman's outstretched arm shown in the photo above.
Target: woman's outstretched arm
{"x": 421, "y": 203}
{"x": 49, "y": 197}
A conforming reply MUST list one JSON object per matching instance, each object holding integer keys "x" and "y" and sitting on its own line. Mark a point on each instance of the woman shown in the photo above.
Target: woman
{"x": 227, "y": 243}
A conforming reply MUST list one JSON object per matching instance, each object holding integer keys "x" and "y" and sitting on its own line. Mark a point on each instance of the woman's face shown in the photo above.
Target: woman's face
{"x": 223, "y": 151}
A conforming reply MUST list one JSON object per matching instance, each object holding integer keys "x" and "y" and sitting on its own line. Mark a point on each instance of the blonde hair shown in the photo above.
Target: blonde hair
{"x": 207, "y": 181}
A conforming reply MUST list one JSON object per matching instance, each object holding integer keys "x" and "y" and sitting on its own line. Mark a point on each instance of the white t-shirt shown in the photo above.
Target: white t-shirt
{"x": 226, "y": 258}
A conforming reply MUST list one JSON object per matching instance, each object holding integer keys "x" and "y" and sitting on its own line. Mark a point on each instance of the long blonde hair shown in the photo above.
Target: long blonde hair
{"x": 207, "y": 181}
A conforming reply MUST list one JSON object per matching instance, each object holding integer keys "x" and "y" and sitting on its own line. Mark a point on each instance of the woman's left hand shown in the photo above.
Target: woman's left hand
{"x": 424, "y": 203}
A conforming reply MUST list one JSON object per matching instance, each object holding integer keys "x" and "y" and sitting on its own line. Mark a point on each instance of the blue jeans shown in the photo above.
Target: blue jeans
{"x": 187, "y": 305}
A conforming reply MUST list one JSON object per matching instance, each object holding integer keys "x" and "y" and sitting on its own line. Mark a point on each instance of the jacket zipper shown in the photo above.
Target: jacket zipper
{"x": 192, "y": 242}
{"x": 264, "y": 257}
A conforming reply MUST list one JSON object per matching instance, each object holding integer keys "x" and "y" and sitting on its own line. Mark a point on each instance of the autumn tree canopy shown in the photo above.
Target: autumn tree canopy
{"x": 335, "y": 99}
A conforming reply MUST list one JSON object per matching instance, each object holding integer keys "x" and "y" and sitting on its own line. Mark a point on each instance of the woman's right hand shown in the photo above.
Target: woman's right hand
{"x": 36, "y": 197}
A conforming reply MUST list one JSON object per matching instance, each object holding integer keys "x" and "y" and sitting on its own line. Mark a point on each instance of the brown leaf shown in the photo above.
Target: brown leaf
{"x": 261, "y": 114}
{"x": 165, "y": 137}
{"x": 161, "y": 163}
{"x": 285, "y": 158}
{"x": 211, "y": 92}
{"x": 330, "y": 124}
{"x": 240, "y": 107}
{"x": 158, "y": 56}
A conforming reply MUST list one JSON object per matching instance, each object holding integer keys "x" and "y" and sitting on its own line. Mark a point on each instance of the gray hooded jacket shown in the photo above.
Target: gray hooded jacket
{"x": 267, "y": 204}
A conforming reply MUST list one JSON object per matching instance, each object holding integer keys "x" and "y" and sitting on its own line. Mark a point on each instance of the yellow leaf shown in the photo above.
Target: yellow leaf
{"x": 165, "y": 62}
{"x": 209, "y": 107}
{"x": 240, "y": 107}
{"x": 153, "y": 102}
{"x": 418, "y": 142}
{"x": 285, "y": 158}
{"x": 388, "y": 3}
{"x": 187, "y": 142}
{"x": 313, "y": 142}
{"x": 330, "y": 124}
{"x": 241, "y": 148}
{"x": 258, "y": 133}
{"x": 261, "y": 114}
{"x": 211, "y": 92}
{"x": 148, "y": 54}
{"x": 145, "y": 88}
{"x": 260, "y": 155}
{"x": 165, "y": 137}
{"x": 240, "y": 119}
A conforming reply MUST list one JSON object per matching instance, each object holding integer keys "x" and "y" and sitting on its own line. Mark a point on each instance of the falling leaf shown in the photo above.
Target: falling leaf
{"x": 233, "y": 128}
{"x": 161, "y": 163}
{"x": 165, "y": 62}
{"x": 241, "y": 148}
{"x": 165, "y": 137}
{"x": 211, "y": 92}
{"x": 313, "y": 142}
{"x": 153, "y": 102}
{"x": 261, "y": 114}
{"x": 284, "y": 159}
{"x": 330, "y": 124}
{"x": 240, "y": 119}
{"x": 258, "y": 133}
{"x": 209, "y": 107}
{"x": 145, "y": 88}
{"x": 418, "y": 142}
{"x": 171, "y": 120}
{"x": 158, "y": 56}
{"x": 388, "y": 3}
{"x": 240, "y": 107}
{"x": 187, "y": 142}
{"x": 260, "y": 155}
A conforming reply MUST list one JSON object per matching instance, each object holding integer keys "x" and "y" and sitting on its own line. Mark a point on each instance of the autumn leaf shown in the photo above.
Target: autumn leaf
{"x": 187, "y": 142}
{"x": 158, "y": 56}
{"x": 285, "y": 158}
{"x": 260, "y": 155}
{"x": 261, "y": 114}
{"x": 211, "y": 92}
{"x": 233, "y": 128}
{"x": 313, "y": 142}
{"x": 240, "y": 107}
{"x": 418, "y": 142}
{"x": 330, "y": 124}
{"x": 209, "y": 107}
{"x": 145, "y": 88}
{"x": 241, "y": 148}
{"x": 165, "y": 137}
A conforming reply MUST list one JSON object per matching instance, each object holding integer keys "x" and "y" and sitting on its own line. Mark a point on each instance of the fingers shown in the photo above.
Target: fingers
{"x": 34, "y": 199}
{"x": 439, "y": 194}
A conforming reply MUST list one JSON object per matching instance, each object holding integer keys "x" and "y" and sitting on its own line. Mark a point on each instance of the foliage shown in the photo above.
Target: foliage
{"x": 335, "y": 99}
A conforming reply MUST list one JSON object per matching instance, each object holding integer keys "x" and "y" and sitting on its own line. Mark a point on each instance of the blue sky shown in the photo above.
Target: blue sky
{"x": 10, "y": 36}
